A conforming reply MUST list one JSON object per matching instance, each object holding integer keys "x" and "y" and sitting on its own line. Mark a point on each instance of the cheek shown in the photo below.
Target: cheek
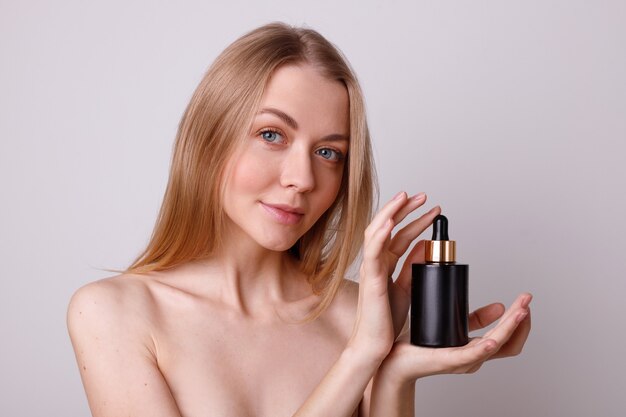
{"x": 328, "y": 186}
{"x": 250, "y": 174}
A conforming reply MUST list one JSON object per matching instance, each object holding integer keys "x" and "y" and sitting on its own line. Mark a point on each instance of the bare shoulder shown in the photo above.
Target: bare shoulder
{"x": 109, "y": 323}
{"x": 113, "y": 293}
{"x": 122, "y": 303}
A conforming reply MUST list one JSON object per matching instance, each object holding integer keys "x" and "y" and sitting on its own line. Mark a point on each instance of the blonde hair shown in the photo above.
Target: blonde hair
{"x": 219, "y": 115}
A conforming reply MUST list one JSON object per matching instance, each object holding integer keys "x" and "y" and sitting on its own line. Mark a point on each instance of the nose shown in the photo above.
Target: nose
{"x": 297, "y": 170}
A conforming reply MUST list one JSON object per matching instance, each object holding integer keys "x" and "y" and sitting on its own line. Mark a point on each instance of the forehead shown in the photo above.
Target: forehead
{"x": 314, "y": 101}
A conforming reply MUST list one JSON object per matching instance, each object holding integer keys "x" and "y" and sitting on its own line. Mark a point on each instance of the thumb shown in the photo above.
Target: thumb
{"x": 417, "y": 255}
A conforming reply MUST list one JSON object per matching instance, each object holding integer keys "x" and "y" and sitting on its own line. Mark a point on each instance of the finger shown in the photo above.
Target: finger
{"x": 373, "y": 249}
{"x": 387, "y": 212}
{"x": 410, "y": 205}
{"x": 521, "y": 301}
{"x": 405, "y": 236}
{"x": 475, "y": 368}
{"x": 417, "y": 255}
{"x": 484, "y": 316}
{"x": 463, "y": 358}
{"x": 505, "y": 328}
{"x": 516, "y": 342}
{"x": 416, "y": 361}
{"x": 399, "y": 302}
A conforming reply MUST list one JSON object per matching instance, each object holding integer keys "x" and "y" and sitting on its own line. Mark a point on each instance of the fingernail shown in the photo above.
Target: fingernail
{"x": 397, "y": 196}
{"x": 418, "y": 197}
{"x": 432, "y": 210}
{"x": 527, "y": 300}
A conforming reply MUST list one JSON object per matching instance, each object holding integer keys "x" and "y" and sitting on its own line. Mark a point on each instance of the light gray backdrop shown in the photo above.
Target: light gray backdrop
{"x": 509, "y": 114}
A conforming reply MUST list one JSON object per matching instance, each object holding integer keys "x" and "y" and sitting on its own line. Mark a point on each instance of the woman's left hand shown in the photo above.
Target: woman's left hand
{"x": 406, "y": 362}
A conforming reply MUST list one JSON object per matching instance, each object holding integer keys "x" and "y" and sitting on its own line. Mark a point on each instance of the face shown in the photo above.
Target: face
{"x": 288, "y": 171}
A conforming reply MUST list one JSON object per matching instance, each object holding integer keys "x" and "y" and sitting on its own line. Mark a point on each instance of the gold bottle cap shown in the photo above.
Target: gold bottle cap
{"x": 440, "y": 250}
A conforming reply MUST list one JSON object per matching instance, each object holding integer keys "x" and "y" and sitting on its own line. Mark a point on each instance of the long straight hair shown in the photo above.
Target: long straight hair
{"x": 217, "y": 118}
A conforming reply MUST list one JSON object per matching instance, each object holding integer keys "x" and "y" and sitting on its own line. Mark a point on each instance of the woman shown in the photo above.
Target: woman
{"x": 239, "y": 305}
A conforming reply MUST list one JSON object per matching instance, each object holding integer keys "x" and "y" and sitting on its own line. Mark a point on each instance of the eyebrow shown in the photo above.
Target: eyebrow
{"x": 290, "y": 121}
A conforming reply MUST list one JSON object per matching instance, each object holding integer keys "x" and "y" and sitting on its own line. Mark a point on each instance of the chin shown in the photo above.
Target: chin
{"x": 278, "y": 245}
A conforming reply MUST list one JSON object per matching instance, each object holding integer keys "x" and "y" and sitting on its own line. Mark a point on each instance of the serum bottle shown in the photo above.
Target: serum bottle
{"x": 439, "y": 293}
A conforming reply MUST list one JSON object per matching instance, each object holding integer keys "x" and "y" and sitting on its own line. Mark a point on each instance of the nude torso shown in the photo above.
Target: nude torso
{"x": 218, "y": 362}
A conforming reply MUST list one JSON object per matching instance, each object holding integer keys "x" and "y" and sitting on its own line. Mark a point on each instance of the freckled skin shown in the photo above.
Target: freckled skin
{"x": 220, "y": 344}
{"x": 289, "y": 173}
{"x": 243, "y": 365}
{"x": 217, "y": 363}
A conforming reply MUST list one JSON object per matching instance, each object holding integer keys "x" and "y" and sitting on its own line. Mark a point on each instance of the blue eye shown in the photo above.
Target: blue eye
{"x": 330, "y": 154}
{"x": 269, "y": 135}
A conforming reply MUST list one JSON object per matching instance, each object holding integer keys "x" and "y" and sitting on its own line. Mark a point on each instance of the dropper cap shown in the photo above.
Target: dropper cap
{"x": 440, "y": 248}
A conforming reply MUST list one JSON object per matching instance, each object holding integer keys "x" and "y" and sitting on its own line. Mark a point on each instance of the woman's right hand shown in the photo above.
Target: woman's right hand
{"x": 375, "y": 327}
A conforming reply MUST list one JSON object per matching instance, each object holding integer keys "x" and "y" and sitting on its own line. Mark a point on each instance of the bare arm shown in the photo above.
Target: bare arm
{"x": 341, "y": 390}
{"x": 364, "y": 406}
{"x": 113, "y": 350}
{"x": 392, "y": 398}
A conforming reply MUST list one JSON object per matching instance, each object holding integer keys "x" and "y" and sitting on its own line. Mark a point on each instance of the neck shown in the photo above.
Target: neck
{"x": 254, "y": 280}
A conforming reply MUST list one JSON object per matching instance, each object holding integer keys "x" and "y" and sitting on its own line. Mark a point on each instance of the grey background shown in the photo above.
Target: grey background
{"x": 509, "y": 114}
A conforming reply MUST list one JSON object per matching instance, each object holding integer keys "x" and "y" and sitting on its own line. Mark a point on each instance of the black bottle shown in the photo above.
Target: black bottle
{"x": 439, "y": 293}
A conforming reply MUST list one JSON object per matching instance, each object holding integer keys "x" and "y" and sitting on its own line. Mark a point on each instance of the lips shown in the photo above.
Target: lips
{"x": 284, "y": 214}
